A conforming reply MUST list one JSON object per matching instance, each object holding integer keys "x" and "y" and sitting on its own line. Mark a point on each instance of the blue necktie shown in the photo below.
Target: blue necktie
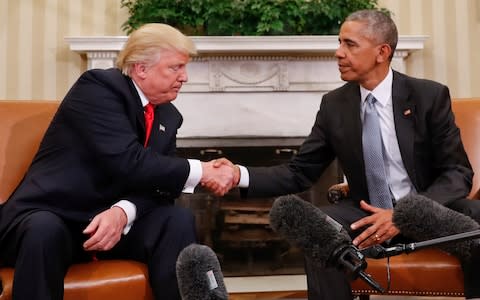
{"x": 378, "y": 190}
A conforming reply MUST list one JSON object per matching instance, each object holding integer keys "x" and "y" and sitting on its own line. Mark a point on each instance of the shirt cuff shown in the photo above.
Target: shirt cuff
{"x": 194, "y": 177}
{"x": 244, "y": 177}
{"x": 130, "y": 211}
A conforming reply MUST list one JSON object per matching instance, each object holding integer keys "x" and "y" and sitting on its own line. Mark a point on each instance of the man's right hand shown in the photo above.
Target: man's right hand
{"x": 105, "y": 229}
{"x": 219, "y": 176}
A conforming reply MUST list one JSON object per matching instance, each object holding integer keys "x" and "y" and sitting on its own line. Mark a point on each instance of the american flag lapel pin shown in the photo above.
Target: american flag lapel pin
{"x": 407, "y": 112}
{"x": 161, "y": 127}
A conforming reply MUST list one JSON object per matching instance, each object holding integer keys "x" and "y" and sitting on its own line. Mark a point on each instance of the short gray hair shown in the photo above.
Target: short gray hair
{"x": 379, "y": 26}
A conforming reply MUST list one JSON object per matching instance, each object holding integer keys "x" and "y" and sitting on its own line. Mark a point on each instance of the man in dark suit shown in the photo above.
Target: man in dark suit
{"x": 421, "y": 150}
{"x": 101, "y": 181}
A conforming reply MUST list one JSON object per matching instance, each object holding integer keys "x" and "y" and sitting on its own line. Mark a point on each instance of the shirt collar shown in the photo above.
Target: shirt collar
{"x": 382, "y": 92}
{"x": 141, "y": 94}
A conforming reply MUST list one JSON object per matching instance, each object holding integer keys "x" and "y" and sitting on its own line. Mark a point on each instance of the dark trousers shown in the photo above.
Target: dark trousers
{"x": 332, "y": 284}
{"x": 471, "y": 268}
{"x": 43, "y": 246}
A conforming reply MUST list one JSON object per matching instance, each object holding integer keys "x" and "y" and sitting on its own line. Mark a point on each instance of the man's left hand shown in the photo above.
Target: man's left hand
{"x": 105, "y": 229}
{"x": 380, "y": 227}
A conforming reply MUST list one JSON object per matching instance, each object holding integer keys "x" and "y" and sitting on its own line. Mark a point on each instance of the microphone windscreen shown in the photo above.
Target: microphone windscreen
{"x": 199, "y": 274}
{"x": 420, "y": 218}
{"x": 307, "y": 227}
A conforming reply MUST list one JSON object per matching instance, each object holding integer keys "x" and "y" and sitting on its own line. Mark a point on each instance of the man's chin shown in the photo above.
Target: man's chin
{"x": 344, "y": 78}
{"x": 347, "y": 77}
{"x": 173, "y": 97}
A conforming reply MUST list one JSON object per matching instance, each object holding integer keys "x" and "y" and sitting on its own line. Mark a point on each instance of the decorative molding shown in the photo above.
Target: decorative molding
{"x": 242, "y": 44}
{"x": 241, "y": 86}
{"x": 249, "y": 75}
{"x": 101, "y": 59}
{"x": 226, "y": 56}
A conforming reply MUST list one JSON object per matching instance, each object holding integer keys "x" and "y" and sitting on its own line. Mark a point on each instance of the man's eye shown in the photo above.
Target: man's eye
{"x": 175, "y": 68}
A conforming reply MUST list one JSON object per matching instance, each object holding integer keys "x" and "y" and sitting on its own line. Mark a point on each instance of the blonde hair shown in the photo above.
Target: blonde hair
{"x": 147, "y": 42}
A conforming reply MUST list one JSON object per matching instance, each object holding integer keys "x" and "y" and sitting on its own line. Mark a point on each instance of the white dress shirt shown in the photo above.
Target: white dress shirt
{"x": 397, "y": 177}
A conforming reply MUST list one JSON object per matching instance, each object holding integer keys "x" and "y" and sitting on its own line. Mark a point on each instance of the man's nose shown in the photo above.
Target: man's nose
{"x": 339, "y": 53}
{"x": 183, "y": 77}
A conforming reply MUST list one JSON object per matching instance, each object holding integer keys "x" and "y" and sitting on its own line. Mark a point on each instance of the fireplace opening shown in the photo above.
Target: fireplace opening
{"x": 238, "y": 230}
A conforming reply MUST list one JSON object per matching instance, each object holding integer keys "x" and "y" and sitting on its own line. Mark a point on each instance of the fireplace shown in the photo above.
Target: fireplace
{"x": 238, "y": 229}
{"x": 252, "y": 100}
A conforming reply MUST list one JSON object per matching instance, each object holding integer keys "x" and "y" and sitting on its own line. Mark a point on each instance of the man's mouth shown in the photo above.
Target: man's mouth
{"x": 342, "y": 68}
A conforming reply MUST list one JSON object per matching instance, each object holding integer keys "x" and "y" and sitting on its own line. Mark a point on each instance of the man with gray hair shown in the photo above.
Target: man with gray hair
{"x": 105, "y": 176}
{"x": 392, "y": 134}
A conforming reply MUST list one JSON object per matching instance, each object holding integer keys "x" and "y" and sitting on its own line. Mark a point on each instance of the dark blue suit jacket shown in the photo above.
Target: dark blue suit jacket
{"x": 429, "y": 142}
{"x": 92, "y": 155}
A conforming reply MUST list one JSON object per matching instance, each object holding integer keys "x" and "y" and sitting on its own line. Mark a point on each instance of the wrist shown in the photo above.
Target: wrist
{"x": 237, "y": 175}
{"x": 122, "y": 215}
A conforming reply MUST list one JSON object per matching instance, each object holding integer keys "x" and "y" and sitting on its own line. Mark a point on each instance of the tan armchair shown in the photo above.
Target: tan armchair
{"x": 427, "y": 272}
{"x": 22, "y": 125}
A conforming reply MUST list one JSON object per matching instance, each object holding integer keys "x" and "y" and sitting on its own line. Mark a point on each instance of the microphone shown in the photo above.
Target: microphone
{"x": 322, "y": 239}
{"x": 199, "y": 275}
{"x": 420, "y": 218}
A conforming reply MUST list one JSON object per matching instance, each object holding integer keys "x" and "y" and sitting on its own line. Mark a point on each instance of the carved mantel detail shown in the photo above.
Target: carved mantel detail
{"x": 248, "y": 73}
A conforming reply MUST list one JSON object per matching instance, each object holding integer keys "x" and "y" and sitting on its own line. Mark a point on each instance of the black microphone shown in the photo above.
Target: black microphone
{"x": 199, "y": 275}
{"x": 322, "y": 239}
{"x": 422, "y": 219}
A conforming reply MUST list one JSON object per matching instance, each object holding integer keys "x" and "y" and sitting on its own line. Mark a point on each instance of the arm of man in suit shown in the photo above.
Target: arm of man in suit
{"x": 449, "y": 161}
{"x": 106, "y": 228}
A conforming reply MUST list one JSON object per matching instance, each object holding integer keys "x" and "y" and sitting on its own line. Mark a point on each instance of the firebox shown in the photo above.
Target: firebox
{"x": 238, "y": 230}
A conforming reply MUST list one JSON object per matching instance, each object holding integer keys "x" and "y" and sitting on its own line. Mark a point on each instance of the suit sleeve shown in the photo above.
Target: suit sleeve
{"x": 452, "y": 172}
{"x": 303, "y": 170}
{"x": 101, "y": 114}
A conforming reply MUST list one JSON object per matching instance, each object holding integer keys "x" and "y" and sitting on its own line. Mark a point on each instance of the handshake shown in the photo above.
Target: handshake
{"x": 220, "y": 176}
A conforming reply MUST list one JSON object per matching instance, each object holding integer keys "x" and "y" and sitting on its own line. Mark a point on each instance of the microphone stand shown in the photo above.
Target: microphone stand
{"x": 378, "y": 251}
{"x": 353, "y": 263}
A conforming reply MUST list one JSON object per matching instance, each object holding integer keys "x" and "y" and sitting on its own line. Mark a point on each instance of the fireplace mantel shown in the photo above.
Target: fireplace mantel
{"x": 101, "y": 51}
{"x": 249, "y": 86}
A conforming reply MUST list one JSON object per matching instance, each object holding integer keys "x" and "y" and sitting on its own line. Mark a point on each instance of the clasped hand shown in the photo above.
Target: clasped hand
{"x": 220, "y": 176}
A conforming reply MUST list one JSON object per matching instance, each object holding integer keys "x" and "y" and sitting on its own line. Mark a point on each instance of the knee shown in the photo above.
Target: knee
{"x": 44, "y": 230}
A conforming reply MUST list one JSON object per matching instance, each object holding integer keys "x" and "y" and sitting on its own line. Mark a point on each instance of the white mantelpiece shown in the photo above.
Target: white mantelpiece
{"x": 250, "y": 86}
{"x": 101, "y": 51}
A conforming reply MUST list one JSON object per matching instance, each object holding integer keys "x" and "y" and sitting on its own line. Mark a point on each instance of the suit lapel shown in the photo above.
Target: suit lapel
{"x": 354, "y": 123}
{"x": 404, "y": 111}
{"x": 137, "y": 107}
{"x": 161, "y": 136}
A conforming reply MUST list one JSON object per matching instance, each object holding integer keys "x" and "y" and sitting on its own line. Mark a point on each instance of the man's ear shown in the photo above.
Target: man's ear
{"x": 384, "y": 53}
{"x": 140, "y": 70}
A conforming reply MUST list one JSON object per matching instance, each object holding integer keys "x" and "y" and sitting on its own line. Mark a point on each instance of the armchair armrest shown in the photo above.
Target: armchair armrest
{"x": 338, "y": 192}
